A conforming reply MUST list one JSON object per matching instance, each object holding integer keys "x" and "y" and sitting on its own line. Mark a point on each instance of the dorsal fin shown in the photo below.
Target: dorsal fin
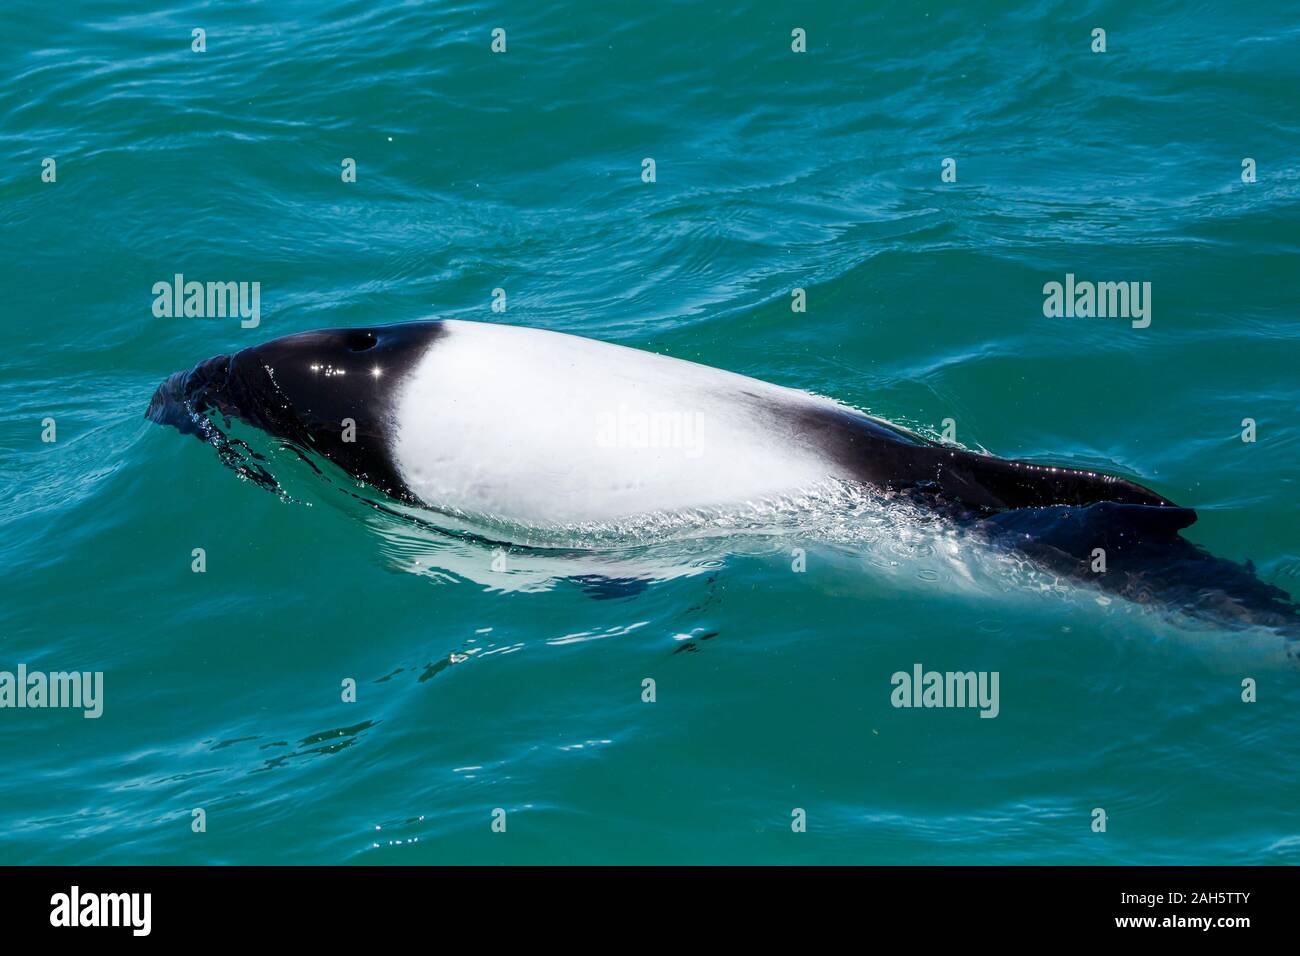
{"x": 888, "y": 456}
{"x": 983, "y": 481}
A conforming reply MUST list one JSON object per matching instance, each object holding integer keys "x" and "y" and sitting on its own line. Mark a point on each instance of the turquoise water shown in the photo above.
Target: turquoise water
{"x": 522, "y": 689}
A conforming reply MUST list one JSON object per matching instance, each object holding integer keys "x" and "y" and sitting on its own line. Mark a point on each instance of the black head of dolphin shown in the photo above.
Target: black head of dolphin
{"x": 330, "y": 391}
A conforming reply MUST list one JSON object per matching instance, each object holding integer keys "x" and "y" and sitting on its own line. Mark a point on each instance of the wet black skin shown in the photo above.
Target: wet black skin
{"x": 302, "y": 388}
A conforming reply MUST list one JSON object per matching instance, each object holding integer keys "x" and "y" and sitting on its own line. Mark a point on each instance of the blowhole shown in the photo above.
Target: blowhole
{"x": 361, "y": 340}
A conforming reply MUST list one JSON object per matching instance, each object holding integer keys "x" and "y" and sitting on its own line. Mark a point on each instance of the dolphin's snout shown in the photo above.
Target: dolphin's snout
{"x": 184, "y": 394}
{"x": 161, "y": 396}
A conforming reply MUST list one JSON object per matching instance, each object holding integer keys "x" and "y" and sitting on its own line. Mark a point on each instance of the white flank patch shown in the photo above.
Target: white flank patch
{"x": 542, "y": 427}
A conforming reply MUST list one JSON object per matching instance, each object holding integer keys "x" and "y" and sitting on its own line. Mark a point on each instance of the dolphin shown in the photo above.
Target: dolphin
{"x": 544, "y": 428}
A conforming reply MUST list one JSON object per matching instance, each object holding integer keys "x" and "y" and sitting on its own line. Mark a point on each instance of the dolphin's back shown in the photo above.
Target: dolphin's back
{"x": 877, "y": 452}
{"x": 533, "y": 425}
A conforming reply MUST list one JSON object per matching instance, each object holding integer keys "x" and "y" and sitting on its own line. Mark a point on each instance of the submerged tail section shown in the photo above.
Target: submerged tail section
{"x": 1135, "y": 552}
